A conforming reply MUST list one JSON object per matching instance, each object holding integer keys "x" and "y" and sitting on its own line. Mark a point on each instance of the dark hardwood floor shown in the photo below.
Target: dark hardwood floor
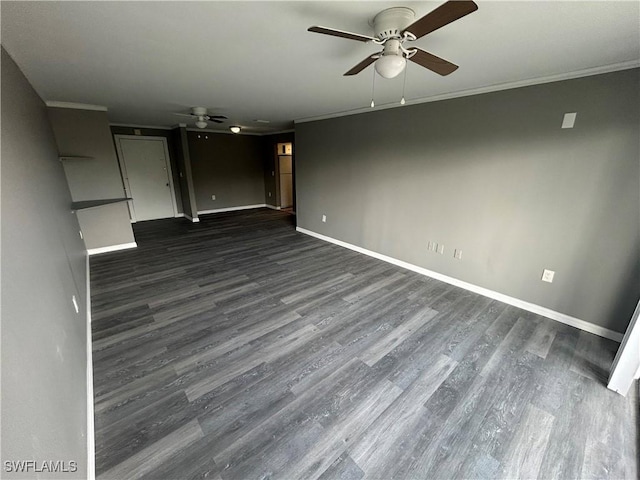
{"x": 237, "y": 348}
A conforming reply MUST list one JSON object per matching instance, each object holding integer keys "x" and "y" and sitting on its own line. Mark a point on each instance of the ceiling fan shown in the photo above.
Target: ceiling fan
{"x": 200, "y": 113}
{"x": 396, "y": 26}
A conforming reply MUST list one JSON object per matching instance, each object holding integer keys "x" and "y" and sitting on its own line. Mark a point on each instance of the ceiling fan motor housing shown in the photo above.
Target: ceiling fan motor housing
{"x": 390, "y": 23}
{"x": 199, "y": 111}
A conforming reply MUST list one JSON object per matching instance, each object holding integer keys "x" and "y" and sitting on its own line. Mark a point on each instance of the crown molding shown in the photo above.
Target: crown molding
{"x": 132, "y": 125}
{"x": 478, "y": 91}
{"x": 77, "y": 106}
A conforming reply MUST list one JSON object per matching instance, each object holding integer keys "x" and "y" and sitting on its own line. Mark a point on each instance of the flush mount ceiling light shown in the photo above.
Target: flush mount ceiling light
{"x": 235, "y": 129}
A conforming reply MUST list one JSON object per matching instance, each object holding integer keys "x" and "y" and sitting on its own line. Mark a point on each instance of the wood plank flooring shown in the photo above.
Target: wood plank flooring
{"x": 237, "y": 348}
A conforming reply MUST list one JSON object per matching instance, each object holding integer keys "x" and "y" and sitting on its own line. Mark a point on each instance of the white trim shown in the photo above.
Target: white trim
{"x": 546, "y": 312}
{"x": 180, "y": 215}
{"x": 273, "y": 207}
{"x": 125, "y": 177}
{"x": 487, "y": 89}
{"x": 133, "y": 125}
{"x": 189, "y": 217}
{"x": 77, "y": 106}
{"x": 232, "y": 209}
{"x": 278, "y": 132}
{"x": 91, "y": 447}
{"x": 111, "y": 248}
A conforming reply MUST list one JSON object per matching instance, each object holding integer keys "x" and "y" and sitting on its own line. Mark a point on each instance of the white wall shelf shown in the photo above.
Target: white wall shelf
{"x": 96, "y": 203}
{"x": 64, "y": 158}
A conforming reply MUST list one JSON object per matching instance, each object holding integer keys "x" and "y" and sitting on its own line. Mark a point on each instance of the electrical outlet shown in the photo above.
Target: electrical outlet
{"x": 429, "y": 246}
{"x": 273, "y": 173}
{"x": 457, "y": 253}
{"x": 213, "y": 197}
{"x": 441, "y": 249}
{"x": 269, "y": 193}
{"x": 324, "y": 219}
{"x": 547, "y": 275}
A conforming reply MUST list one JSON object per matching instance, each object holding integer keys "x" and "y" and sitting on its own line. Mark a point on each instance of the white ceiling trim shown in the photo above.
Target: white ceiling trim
{"x": 77, "y": 106}
{"x": 130, "y": 125}
{"x": 478, "y": 91}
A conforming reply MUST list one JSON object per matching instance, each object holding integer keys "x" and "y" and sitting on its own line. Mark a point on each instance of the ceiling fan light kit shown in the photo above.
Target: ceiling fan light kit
{"x": 394, "y": 27}
{"x": 390, "y": 66}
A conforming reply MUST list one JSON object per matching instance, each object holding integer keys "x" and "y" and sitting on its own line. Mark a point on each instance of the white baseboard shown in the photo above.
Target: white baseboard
{"x": 272, "y": 207}
{"x": 232, "y": 209}
{"x": 179, "y": 215}
{"x": 111, "y": 248}
{"x": 91, "y": 458}
{"x": 189, "y": 217}
{"x": 516, "y": 302}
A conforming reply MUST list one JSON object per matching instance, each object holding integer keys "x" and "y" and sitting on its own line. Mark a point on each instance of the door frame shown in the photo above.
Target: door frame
{"x": 626, "y": 365}
{"x": 125, "y": 176}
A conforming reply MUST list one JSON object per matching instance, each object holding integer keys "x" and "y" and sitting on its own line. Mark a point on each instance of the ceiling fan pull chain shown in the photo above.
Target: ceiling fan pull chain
{"x": 373, "y": 89}
{"x": 404, "y": 84}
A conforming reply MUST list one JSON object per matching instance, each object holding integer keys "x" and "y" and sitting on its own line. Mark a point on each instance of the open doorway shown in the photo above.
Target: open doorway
{"x": 284, "y": 177}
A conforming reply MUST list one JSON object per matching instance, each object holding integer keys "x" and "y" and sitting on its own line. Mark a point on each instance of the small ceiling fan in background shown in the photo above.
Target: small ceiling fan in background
{"x": 394, "y": 27}
{"x": 202, "y": 117}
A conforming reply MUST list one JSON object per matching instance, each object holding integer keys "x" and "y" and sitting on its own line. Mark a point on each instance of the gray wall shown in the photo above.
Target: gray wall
{"x": 87, "y": 133}
{"x": 185, "y": 174}
{"x": 44, "y": 362}
{"x": 227, "y": 166}
{"x": 495, "y": 176}
{"x": 106, "y": 225}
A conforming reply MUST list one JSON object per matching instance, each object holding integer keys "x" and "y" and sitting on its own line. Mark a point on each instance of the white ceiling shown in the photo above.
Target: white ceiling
{"x": 255, "y": 60}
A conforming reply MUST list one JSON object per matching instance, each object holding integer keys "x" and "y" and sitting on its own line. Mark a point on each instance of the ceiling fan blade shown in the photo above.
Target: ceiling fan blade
{"x": 433, "y": 63}
{"x": 221, "y": 117}
{"x": 341, "y": 33}
{"x": 441, "y": 16}
{"x": 185, "y": 114}
{"x": 361, "y": 66}
{"x": 215, "y": 120}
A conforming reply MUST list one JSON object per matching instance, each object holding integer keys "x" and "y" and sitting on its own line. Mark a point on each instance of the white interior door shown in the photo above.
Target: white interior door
{"x": 147, "y": 176}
